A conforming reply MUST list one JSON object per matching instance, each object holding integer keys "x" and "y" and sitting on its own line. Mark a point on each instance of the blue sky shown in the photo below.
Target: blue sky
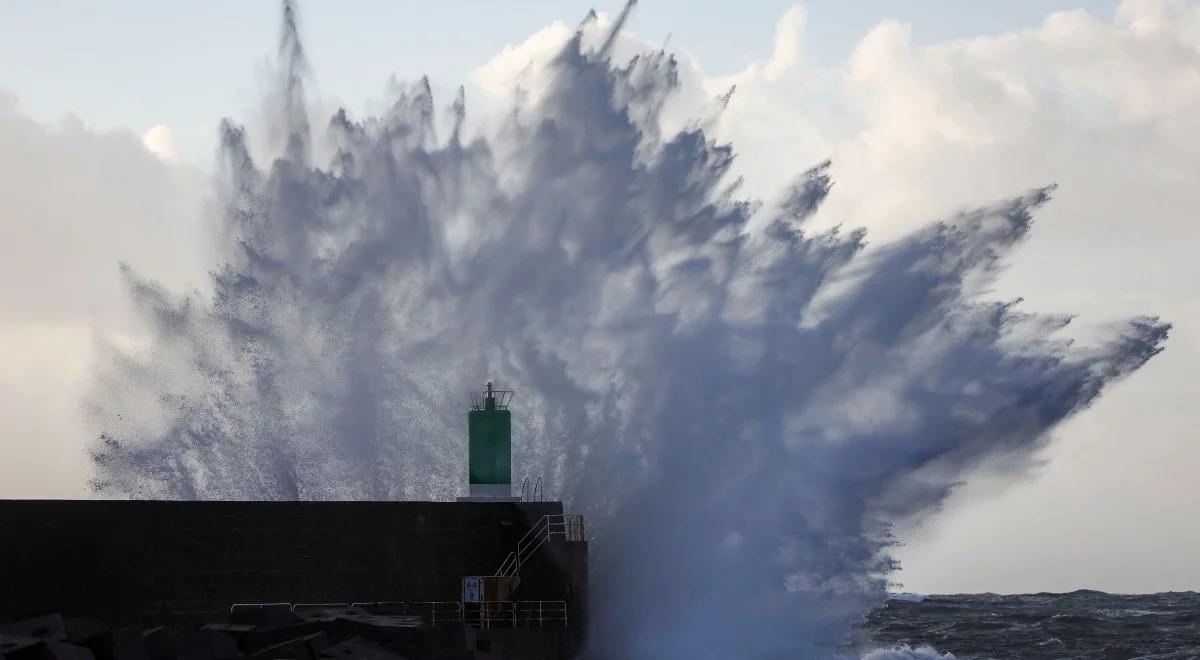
{"x": 140, "y": 63}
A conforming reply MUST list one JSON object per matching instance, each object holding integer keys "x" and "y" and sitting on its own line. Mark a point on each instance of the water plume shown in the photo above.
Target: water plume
{"x": 740, "y": 408}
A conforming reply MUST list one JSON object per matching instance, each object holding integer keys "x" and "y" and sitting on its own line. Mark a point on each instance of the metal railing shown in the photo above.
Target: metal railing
{"x": 247, "y": 606}
{"x": 516, "y": 614}
{"x": 318, "y": 606}
{"x": 488, "y": 614}
{"x": 500, "y": 398}
{"x": 384, "y": 606}
{"x": 433, "y": 611}
{"x": 436, "y": 611}
{"x": 536, "y": 494}
{"x": 568, "y": 525}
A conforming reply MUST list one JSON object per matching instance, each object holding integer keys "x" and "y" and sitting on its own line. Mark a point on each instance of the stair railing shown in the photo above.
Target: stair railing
{"x": 568, "y": 526}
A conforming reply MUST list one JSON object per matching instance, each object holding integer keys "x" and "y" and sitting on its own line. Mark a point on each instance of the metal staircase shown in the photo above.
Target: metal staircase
{"x": 568, "y": 526}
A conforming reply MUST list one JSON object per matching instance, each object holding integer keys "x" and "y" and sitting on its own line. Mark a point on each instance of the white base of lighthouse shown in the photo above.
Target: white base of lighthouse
{"x": 491, "y": 493}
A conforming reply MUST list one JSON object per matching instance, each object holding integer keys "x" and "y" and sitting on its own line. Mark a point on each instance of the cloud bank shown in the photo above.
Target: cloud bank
{"x": 74, "y": 201}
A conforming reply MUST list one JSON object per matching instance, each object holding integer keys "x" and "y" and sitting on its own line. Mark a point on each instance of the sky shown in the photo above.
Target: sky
{"x": 187, "y": 64}
{"x": 108, "y": 124}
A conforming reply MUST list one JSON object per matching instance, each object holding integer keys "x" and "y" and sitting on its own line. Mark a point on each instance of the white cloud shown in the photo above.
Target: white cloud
{"x": 160, "y": 141}
{"x": 522, "y": 64}
{"x": 74, "y": 200}
{"x": 789, "y": 43}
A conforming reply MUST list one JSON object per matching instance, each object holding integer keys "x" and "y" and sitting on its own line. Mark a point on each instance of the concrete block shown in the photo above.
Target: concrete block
{"x": 484, "y": 646}
{"x": 357, "y": 648}
{"x": 163, "y": 644}
{"x": 13, "y": 646}
{"x": 47, "y": 627}
{"x": 403, "y": 630}
{"x": 174, "y": 645}
{"x": 64, "y": 651}
{"x": 243, "y": 635}
{"x": 48, "y": 650}
{"x": 129, "y": 644}
{"x": 453, "y": 638}
{"x": 120, "y": 644}
{"x": 292, "y": 649}
{"x": 265, "y": 616}
{"x": 154, "y": 640}
{"x": 315, "y": 643}
{"x": 219, "y": 644}
{"x": 264, "y": 637}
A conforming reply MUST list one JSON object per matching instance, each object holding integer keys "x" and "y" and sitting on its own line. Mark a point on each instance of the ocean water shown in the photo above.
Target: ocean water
{"x": 1080, "y": 624}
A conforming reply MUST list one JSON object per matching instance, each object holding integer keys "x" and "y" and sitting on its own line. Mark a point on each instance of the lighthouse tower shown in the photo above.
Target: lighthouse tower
{"x": 489, "y": 431}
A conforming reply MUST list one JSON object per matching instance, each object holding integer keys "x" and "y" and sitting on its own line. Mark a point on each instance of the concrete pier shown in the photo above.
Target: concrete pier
{"x": 138, "y": 560}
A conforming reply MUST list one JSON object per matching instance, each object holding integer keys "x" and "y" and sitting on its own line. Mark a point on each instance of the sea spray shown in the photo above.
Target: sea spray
{"x": 740, "y": 408}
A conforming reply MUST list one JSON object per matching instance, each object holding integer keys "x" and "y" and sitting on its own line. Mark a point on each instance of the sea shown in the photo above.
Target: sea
{"x": 1080, "y": 624}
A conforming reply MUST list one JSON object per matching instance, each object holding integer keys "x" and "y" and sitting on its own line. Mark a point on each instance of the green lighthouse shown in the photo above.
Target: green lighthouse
{"x": 489, "y": 429}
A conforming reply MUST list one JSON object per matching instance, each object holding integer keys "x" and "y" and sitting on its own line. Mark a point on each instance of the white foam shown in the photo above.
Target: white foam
{"x": 669, "y": 386}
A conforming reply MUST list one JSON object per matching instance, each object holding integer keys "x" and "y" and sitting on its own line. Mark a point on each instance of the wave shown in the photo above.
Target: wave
{"x": 739, "y": 407}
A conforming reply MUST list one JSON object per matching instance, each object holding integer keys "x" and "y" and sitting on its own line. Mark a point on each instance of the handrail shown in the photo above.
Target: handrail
{"x": 258, "y": 605}
{"x": 508, "y": 567}
{"x": 569, "y": 526}
{"x": 393, "y": 607}
{"x": 487, "y": 614}
{"x": 532, "y": 492}
{"x": 526, "y": 613}
{"x": 315, "y": 605}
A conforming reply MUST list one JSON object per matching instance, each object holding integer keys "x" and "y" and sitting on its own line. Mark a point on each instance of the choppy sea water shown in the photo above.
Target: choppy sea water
{"x": 1081, "y": 624}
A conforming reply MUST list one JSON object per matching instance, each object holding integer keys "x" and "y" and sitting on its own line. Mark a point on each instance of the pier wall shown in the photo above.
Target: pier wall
{"x": 110, "y": 558}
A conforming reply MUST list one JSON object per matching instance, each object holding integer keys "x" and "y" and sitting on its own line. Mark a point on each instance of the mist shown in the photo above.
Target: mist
{"x": 740, "y": 404}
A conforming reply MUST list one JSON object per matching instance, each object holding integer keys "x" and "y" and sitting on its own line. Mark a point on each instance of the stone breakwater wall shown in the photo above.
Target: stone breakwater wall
{"x": 136, "y": 558}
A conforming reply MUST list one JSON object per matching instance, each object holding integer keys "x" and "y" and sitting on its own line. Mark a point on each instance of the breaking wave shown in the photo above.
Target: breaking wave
{"x": 740, "y": 408}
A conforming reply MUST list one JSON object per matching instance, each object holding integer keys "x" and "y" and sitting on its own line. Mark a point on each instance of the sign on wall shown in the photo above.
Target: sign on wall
{"x": 472, "y": 589}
